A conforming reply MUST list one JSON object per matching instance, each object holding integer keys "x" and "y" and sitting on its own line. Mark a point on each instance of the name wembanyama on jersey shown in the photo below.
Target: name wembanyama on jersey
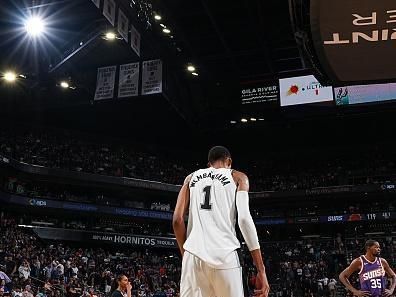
{"x": 211, "y": 232}
{"x": 223, "y": 179}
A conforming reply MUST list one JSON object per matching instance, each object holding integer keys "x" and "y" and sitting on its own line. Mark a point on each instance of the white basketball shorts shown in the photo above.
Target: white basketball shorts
{"x": 198, "y": 279}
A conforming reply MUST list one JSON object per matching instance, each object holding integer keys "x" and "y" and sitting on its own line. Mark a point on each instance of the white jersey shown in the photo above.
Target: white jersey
{"x": 211, "y": 232}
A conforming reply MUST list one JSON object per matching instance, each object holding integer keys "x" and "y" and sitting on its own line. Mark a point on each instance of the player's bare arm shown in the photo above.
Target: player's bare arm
{"x": 390, "y": 273}
{"x": 182, "y": 204}
{"x": 249, "y": 232}
{"x": 356, "y": 265}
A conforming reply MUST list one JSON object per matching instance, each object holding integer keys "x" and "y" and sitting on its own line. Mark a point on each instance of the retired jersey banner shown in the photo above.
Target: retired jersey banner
{"x": 105, "y": 83}
{"x": 135, "y": 40}
{"x": 96, "y": 2}
{"x": 123, "y": 25}
{"x": 152, "y": 77}
{"x": 109, "y": 10}
{"x": 129, "y": 80}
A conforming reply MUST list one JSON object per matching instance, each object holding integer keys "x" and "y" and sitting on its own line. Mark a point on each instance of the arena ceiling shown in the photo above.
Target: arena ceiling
{"x": 228, "y": 42}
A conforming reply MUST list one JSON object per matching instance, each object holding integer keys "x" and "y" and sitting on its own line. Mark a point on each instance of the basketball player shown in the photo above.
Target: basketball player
{"x": 372, "y": 270}
{"x": 215, "y": 196}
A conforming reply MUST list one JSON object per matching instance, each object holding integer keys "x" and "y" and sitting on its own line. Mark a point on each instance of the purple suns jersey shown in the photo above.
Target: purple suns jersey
{"x": 372, "y": 276}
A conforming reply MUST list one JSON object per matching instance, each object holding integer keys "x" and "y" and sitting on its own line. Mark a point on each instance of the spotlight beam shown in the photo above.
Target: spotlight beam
{"x": 46, "y": 4}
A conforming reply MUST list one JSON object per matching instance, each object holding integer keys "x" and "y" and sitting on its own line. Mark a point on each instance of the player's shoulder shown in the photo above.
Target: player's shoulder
{"x": 239, "y": 175}
{"x": 188, "y": 178}
{"x": 383, "y": 261}
{"x": 357, "y": 262}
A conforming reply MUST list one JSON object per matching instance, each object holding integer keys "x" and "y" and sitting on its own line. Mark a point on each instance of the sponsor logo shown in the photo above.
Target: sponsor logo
{"x": 135, "y": 240}
{"x": 388, "y": 187}
{"x": 295, "y": 89}
{"x": 377, "y": 35}
{"x": 35, "y": 202}
{"x": 335, "y": 218}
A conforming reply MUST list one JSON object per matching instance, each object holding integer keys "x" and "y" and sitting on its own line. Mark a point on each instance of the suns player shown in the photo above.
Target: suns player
{"x": 372, "y": 273}
{"x": 214, "y": 197}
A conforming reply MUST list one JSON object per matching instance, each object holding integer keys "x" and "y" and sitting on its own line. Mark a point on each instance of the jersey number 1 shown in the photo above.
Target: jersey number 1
{"x": 206, "y": 205}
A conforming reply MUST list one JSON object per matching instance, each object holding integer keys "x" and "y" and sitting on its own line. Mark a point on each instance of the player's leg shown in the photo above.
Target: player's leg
{"x": 195, "y": 278}
{"x": 228, "y": 282}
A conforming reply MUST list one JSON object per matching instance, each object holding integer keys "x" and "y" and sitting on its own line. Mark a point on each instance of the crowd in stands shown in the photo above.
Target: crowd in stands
{"x": 273, "y": 172}
{"x": 55, "y": 269}
{"x": 47, "y": 268}
{"x": 65, "y": 193}
{"x": 71, "y": 153}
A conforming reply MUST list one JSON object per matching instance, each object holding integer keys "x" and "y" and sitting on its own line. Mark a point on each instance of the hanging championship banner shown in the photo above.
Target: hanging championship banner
{"x": 152, "y": 77}
{"x": 135, "y": 40}
{"x": 105, "y": 83}
{"x": 129, "y": 80}
{"x": 109, "y": 9}
{"x": 123, "y": 25}
{"x": 96, "y": 2}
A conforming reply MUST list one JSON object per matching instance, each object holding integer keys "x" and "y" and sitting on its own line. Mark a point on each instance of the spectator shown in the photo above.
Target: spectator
{"x": 332, "y": 287}
{"x": 27, "y": 292}
{"x": 24, "y": 271}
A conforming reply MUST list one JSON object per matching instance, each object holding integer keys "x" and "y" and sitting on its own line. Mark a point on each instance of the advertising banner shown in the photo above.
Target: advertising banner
{"x": 303, "y": 90}
{"x": 105, "y": 237}
{"x": 260, "y": 93}
{"x": 364, "y": 94}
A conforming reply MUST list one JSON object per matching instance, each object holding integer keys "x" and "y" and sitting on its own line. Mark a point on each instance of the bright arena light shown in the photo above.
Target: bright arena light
{"x": 191, "y": 68}
{"x": 110, "y": 36}
{"x": 34, "y": 26}
{"x": 10, "y": 76}
{"x": 165, "y": 30}
{"x": 157, "y": 17}
{"x": 64, "y": 85}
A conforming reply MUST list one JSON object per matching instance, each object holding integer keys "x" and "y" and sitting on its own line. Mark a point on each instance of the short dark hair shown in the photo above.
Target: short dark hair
{"x": 116, "y": 282}
{"x": 217, "y": 153}
{"x": 369, "y": 243}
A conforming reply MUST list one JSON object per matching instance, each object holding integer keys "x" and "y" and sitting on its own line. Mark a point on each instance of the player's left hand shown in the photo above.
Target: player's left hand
{"x": 387, "y": 293}
{"x": 262, "y": 286}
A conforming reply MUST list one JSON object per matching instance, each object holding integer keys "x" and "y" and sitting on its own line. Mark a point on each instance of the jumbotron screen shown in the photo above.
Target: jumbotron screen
{"x": 365, "y": 94}
{"x": 354, "y": 39}
{"x": 303, "y": 90}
